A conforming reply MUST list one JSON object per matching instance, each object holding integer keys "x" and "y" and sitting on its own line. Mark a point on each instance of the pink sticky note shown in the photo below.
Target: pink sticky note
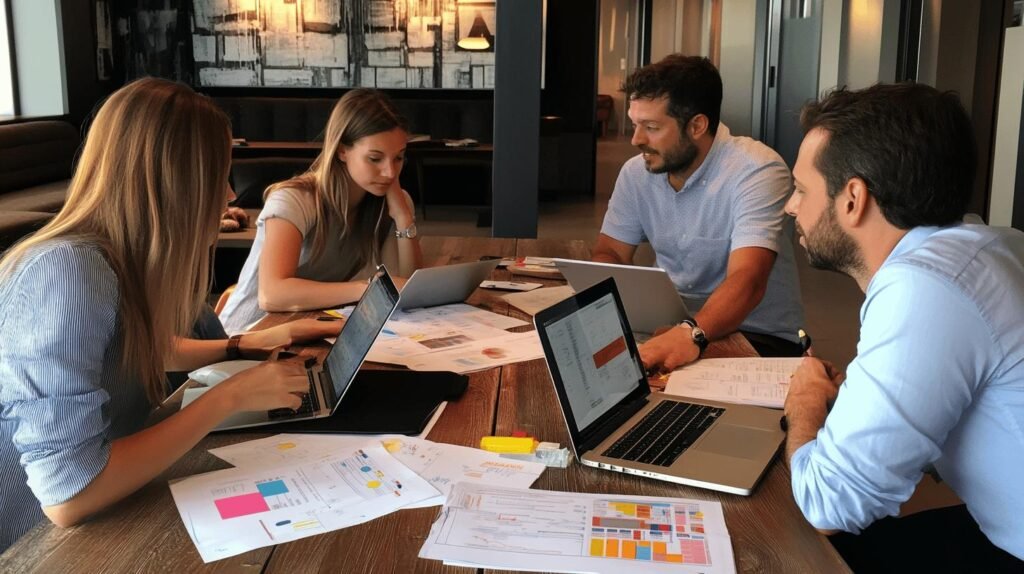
{"x": 241, "y": 505}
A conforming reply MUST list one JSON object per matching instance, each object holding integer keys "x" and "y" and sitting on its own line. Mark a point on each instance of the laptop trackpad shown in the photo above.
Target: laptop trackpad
{"x": 737, "y": 441}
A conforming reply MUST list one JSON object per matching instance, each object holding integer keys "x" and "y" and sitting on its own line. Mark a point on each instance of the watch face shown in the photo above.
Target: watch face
{"x": 408, "y": 232}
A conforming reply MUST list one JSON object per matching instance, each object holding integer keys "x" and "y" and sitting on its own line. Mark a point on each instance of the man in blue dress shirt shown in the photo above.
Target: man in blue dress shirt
{"x": 711, "y": 205}
{"x": 883, "y": 180}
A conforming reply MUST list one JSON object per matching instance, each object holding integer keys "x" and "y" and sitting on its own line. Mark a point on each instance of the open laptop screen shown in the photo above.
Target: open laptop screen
{"x": 360, "y": 331}
{"x": 593, "y": 360}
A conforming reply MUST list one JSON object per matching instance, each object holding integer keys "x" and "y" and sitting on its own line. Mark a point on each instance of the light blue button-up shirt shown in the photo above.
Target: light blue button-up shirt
{"x": 63, "y": 397}
{"x": 735, "y": 199}
{"x": 938, "y": 379}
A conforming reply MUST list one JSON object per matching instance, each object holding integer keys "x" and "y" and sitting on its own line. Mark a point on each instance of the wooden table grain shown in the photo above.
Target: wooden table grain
{"x": 144, "y": 533}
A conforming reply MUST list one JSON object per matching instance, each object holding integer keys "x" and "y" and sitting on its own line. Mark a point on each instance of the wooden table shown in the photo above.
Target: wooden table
{"x": 145, "y": 533}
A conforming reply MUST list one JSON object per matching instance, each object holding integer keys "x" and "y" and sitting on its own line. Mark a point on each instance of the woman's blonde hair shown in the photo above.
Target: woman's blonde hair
{"x": 359, "y": 113}
{"x": 149, "y": 188}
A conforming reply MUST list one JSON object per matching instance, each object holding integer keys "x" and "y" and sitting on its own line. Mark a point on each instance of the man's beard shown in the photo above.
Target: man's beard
{"x": 830, "y": 248}
{"x": 677, "y": 159}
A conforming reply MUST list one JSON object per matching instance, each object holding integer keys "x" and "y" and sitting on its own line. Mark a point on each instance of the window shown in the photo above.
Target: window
{"x": 6, "y": 77}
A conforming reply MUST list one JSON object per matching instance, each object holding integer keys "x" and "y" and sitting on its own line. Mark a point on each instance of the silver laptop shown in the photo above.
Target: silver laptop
{"x": 329, "y": 381}
{"x": 616, "y": 423}
{"x": 650, "y": 297}
{"x": 443, "y": 285}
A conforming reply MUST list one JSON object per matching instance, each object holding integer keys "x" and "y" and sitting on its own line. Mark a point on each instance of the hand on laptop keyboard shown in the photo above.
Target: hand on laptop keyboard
{"x": 270, "y": 385}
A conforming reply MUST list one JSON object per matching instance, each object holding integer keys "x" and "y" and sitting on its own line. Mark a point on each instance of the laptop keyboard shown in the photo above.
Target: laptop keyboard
{"x": 310, "y": 403}
{"x": 664, "y": 433}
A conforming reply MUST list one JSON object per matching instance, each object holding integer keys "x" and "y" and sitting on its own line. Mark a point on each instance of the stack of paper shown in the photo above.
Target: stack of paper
{"x": 753, "y": 381}
{"x": 534, "y": 302}
{"x": 518, "y": 529}
{"x": 287, "y": 487}
{"x": 459, "y": 338}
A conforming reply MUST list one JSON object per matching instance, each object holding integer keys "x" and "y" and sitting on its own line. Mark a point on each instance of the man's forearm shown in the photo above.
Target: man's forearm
{"x": 804, "y": 419}
{"x": 607, "y": 256}
{"x": 729, "y": 306}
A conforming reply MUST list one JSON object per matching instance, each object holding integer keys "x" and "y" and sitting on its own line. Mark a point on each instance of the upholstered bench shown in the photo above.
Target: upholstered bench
{"x": 35, "y": 168}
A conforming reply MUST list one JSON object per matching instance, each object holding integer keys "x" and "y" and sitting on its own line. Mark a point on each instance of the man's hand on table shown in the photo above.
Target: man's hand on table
{"x": 670, "y": 350}
{"x": 262, "y": 343}
{"x": 812, "y": 390}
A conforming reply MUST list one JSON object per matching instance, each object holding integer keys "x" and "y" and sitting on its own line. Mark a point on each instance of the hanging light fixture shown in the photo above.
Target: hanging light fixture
{"x": 479, "y": 37}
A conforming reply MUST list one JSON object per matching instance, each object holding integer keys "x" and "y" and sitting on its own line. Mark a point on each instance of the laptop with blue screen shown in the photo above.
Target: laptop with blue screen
{"x": 330, "y": 380}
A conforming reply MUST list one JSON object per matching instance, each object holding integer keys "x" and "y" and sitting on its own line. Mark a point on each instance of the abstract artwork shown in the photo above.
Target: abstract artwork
{"x": 342, "y": 43}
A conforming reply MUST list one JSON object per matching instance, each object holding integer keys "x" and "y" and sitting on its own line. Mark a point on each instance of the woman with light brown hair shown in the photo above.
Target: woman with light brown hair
{"x": 322, "y": 231}
{"x": 95, "y": 306}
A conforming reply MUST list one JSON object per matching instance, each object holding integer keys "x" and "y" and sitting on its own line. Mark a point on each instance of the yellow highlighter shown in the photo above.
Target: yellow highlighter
{"x": 508, "y": 444}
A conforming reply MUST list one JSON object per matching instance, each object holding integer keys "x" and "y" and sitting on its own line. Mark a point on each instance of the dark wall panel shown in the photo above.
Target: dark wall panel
{"x": 516, "y": 118}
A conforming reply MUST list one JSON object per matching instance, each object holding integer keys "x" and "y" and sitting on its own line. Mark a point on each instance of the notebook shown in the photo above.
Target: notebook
{"x": 614, "y": 421}
{"x": 648, "y": 294}
{"x": 329, "y": 381}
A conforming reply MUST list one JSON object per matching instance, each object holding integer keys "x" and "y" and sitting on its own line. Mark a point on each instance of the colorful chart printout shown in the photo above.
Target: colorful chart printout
{"x": 654, "y": 532}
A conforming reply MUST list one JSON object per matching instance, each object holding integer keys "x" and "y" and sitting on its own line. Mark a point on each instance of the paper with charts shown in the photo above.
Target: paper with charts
{"x": 440, "y": 464}
{"x": 232, "y": 511}
{"x": 750, "y": 381}
{"x": 459, "y": 338}
{"x": 519, "y": 529}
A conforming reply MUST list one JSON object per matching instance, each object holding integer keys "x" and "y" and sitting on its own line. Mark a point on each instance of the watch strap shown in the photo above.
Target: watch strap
{"x": 407, "y": 233}
{"x": 233, "y": 351}
{"x": 697, "y": 334}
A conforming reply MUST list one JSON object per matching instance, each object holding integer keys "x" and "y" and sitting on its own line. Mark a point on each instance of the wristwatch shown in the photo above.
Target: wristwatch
{"x": 699, "y": 338}
{"x": 407, "y": 233}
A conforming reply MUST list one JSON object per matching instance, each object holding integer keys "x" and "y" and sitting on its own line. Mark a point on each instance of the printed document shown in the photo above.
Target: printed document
{"x": 440, "y": 464}
{"x": 538, "y": 530}
{"x": 232, "y": 511}
{"x": 418, "y": 332}
{"x": 478, "y": 355}
{"x": 749, "y": 381}
{"x": 533, "y": 302}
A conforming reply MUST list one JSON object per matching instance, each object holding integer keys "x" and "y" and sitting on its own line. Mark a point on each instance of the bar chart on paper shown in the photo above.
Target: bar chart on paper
{"x": 231, "y": 511}
{"x": 658, "y": 532}
{"x": 542, "y": 530}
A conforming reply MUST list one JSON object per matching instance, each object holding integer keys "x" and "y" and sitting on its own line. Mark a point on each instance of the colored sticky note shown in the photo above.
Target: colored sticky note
{"x": 612, "y": 548}
{"x": 596, "y": 547}
{"x": 660, "y": 548}
{"x": 629, "y": 549}
{"x": 241, "y": 505}
{"x": 272, "y": 488}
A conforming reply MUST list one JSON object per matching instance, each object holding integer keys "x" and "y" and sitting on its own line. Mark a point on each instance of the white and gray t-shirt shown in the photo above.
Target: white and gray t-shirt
{"x": 337, "y": 262}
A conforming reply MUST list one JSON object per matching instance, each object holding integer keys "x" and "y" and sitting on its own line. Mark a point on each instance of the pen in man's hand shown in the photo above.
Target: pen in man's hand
{"x": 805, "y": 342}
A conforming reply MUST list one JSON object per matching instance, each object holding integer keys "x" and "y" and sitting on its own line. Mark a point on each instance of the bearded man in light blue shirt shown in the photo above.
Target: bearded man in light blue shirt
{"x": 711, "y": 205}
{"x": 883, "y": 180}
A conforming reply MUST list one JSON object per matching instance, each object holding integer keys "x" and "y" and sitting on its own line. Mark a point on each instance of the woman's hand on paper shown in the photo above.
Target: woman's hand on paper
{"x": 259, "y": 344}
{"x": 271, "y": 385}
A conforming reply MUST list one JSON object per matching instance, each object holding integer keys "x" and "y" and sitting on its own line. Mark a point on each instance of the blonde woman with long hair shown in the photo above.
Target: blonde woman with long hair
{"x": 321, "y": 231}
{"x": 94, "y": 306}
